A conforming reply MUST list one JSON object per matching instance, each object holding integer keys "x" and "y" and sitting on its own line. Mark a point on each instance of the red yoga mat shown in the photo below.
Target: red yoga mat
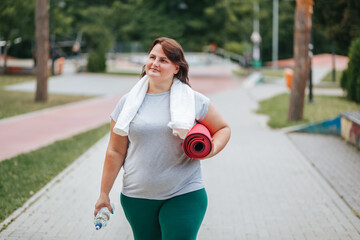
{"x": 198, "y": 142}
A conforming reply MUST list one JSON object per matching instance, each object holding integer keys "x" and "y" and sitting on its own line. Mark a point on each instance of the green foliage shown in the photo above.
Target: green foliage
{"x": 194, "y": 24}
{"x": 189, "y": 22}
{"x": 60, "y": 19}
{"x": 236, "y": 47}
{"x": 93, "y": 25}
{"x": 343, "y": 80}
{"x": 16, "y": 18}
{"x": 25, "y": 174}
{"x": 285, "y": 33}
{"x": 24, "y": 49}
{"x": 350, "y": 80}
{"x": 17, "y": 22}
{"x": 338, "y": 21}
{"x": 96, "y": 62}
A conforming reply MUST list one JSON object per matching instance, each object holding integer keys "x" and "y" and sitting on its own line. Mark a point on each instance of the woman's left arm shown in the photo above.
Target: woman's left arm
{"x": 219, "y": 129}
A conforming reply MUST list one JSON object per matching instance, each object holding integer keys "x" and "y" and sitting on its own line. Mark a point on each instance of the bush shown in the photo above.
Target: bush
{"x": 96, "y": 62}
{"x": 350, "y": 79}
{"x": 236, "y": 47}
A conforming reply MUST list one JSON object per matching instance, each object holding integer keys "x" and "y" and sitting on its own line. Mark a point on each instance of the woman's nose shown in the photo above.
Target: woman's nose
{"x": 156, "y": 62}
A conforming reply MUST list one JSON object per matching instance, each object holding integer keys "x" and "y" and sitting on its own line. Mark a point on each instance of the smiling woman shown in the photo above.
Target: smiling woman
{"x": 173, "y": 53}
{"x": 160, "y": 70}
{"x": 163, "y": 194}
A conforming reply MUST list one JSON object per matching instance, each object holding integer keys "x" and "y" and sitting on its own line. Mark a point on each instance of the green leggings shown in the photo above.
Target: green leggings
{"x": 179, "y": 217}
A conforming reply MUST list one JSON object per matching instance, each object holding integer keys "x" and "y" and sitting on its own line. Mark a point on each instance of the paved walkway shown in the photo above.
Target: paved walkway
{"x": 260, "y": 187}
{"x": 339, "y": 164}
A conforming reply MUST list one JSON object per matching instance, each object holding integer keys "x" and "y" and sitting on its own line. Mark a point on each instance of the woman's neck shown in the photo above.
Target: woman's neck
{"x": 159, "y": 87}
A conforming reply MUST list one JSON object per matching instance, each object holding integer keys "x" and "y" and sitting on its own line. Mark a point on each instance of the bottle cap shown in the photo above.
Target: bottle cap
{"x": 98, "y": 226}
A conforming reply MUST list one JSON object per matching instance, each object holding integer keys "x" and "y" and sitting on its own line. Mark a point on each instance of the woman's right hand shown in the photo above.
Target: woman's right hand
{"x": 103, "y": 201}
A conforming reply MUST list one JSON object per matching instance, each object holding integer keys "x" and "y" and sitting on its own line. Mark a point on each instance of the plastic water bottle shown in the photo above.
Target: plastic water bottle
{"x": 102, "y": 217}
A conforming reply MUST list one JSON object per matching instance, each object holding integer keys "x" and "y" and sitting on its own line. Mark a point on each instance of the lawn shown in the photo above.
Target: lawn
{"x": 14, "y": 103}
{"x": 323, "y": 107}
{"x": 327, "y": 81}
{"x": 24, "y": 175}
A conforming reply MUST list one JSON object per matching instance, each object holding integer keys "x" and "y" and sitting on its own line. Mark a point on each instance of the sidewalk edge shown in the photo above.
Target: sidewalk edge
{"x": 13, "y": 216}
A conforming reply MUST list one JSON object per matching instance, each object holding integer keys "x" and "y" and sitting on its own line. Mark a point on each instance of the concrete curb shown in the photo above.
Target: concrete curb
{"x": 330, "y": 126}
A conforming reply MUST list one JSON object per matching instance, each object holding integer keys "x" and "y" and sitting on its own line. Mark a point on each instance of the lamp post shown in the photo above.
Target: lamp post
{"x": 256, "y": 38}
{"x": 275, "y": 43}
{"x": 310, "y": 74}
{"x": 311, "y": 47}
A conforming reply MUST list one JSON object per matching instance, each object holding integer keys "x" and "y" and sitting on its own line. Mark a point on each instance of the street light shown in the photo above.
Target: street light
{"x": 256, "y": 38}
{"x": 310, "y": 73}
{"x": 311, "y": 47}
{"x": 275, "y": 42}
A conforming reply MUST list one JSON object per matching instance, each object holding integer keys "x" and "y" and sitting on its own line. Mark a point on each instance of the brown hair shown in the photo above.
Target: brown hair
{"x": 175, "y": 54}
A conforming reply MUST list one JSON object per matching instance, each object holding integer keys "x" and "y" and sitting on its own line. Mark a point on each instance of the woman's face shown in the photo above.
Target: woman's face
{"x": 158, "y": 66}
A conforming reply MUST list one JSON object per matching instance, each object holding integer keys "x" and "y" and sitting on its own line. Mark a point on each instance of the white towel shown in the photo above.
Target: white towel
{"x": 182, "y": 107}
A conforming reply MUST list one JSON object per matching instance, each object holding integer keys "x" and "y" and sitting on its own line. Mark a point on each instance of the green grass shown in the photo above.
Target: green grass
{"x": 242, "y": 72}
{"x": 25, "y": 174}
{"x": 327, "y": 81}
{"x": 278, "y": 73}
{"x": 269, "y": 74}
{"x": 13, "y": 103}
{"x": 9, "y": 79}
{"x": 324, "y": 107}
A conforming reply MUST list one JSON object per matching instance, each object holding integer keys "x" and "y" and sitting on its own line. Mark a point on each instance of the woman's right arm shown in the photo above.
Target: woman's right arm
{"x": 114, "y": 159}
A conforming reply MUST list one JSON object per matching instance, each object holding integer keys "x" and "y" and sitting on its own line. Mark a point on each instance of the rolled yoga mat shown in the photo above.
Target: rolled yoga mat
{"x": 198, "y": 142}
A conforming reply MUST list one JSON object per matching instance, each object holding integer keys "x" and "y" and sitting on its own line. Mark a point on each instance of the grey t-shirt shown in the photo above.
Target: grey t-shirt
{"x": 155, "y": 166}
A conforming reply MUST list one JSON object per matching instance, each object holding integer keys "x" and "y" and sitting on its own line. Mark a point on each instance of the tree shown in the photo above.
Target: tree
{"x": 350, "y": 80}
{"x": 301, "y": 55}
{"x": 96, "y": 33}
{"x": 339, "y": 23}
{"x": 42, "y": 49}
{"x": 192, "y": 23}
{"x": 16, "y": 20}
{"x": 339, "y": 20}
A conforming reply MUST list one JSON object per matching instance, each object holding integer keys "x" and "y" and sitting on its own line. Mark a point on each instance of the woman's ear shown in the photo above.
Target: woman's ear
{"x": 177, "y": 69}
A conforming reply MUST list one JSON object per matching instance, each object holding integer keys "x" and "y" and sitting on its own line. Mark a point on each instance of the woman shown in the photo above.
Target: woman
{"x": 163, "y": 196}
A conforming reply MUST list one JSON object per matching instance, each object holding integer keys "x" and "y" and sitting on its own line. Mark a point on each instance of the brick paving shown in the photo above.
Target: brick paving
{"x": 260, "y": 187}
{"x": 337, "y": 161}
{"x": 29, "y": 132}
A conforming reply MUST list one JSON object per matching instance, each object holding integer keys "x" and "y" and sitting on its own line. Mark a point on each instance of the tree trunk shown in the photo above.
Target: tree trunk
{"x": 301, "y": 56}
{"x": 42, "y": 49}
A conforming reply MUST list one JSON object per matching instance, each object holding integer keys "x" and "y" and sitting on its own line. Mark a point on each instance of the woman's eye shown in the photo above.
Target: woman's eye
{"x": 164, "y": 61}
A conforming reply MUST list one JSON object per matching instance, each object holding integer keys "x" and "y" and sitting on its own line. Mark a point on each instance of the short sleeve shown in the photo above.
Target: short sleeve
{"x": 201, "y": 106}
{"x": 119, "y": 106}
